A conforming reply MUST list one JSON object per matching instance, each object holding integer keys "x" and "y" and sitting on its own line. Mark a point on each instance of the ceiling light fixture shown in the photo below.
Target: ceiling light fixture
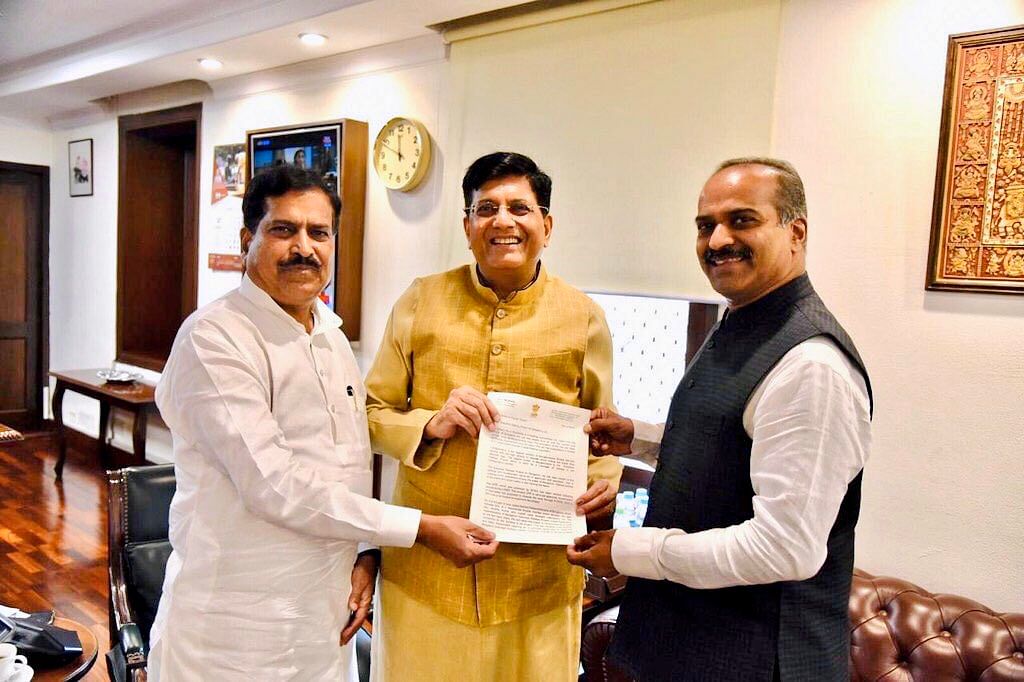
{"x": 210, "y": 63}
{"x": 313, "y": 39}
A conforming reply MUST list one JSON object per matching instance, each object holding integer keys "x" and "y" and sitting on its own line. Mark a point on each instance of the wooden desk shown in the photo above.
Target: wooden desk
{"x": 135, "y": 398}
{"x": 76, "y": 669}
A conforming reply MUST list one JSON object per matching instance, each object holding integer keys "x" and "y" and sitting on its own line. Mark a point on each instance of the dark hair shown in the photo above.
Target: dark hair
{"x": 504, "y": 165}
{"x": 277, "y": 181}
{"x": 790, "y": 201}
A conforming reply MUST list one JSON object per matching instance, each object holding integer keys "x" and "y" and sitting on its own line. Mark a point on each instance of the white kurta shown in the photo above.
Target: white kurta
{"x": 272, "y": 459}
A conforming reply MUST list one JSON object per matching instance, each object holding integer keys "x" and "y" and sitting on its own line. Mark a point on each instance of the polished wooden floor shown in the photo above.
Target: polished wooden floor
{"x": 53, "y": 536}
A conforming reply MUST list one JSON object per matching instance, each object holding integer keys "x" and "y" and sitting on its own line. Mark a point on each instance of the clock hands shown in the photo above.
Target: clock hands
{"x": 399, "y": 146}
{"x": 390, "y": 149}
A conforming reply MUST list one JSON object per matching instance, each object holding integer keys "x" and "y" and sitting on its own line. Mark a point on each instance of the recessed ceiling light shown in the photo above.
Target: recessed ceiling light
{"x": 210, "y": 63}
{"x": 312, "y": 39}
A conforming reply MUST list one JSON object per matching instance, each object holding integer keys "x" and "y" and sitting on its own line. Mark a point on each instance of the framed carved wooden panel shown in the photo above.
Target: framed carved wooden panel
{"x": 977, "y": 241}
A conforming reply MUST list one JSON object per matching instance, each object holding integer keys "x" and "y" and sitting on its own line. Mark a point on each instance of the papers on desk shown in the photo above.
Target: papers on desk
{"x": 530, "y": 470}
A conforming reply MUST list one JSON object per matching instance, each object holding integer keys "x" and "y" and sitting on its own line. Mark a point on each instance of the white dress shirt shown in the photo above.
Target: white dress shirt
{"x": 810, "y": 423}
{"x": 272, "y": 459}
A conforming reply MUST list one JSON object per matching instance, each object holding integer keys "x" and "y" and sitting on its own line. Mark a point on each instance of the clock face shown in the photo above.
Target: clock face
{"x": 401, "y": 154}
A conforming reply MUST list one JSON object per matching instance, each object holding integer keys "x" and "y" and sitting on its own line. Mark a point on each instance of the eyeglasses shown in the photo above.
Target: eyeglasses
{"x": 489, "y": 209}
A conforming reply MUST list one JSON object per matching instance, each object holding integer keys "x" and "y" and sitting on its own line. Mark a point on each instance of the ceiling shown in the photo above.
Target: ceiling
{"x": 57, "y": 57}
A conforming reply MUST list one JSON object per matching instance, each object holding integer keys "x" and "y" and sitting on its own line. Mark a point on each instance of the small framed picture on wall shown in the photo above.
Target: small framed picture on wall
{"x": 80, "y": 167}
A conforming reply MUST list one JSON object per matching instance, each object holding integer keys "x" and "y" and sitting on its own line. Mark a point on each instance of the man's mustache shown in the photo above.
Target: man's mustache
{"x": 298, "y": 261}
{"x": 712, "y": 254}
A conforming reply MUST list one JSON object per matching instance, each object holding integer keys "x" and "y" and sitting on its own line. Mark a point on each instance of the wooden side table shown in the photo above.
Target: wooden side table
{"x": 135, "y": 398}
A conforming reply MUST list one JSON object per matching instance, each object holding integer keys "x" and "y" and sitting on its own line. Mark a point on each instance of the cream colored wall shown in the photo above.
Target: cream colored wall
{"x": 857, "y": 105}
{"x": 622, "y": 108}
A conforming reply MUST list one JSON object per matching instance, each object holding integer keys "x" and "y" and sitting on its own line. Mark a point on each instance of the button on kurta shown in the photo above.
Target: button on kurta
{"x": 496, "y": 349}
{"x": 500, "y": 313}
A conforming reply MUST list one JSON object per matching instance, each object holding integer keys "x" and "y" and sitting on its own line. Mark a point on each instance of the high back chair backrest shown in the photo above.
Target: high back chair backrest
{"x": 139, "y": 501}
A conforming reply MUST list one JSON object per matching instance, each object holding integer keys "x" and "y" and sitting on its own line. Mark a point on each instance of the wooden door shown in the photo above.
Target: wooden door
{"x": 157, "y": 228}
{"x": 24, "y": 209}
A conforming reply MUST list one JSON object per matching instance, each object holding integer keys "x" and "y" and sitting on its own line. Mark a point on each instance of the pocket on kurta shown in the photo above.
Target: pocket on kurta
{"x": 551, "y": 377}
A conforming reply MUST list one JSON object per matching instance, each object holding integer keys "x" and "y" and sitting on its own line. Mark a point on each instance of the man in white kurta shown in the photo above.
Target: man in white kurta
{"x": 265, "y": 404}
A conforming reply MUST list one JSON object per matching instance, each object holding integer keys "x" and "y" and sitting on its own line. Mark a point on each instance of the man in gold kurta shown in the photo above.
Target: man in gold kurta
{"x": 502, "y": 324}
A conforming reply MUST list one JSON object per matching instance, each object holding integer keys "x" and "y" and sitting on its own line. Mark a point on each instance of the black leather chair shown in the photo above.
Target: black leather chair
{"x": 138, "y": 500}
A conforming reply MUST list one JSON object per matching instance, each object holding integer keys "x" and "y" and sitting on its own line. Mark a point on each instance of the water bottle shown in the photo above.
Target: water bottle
{"x": 629, "y": 507}
{"x": 620, "y": 520}
{"x": 642, "y": 499}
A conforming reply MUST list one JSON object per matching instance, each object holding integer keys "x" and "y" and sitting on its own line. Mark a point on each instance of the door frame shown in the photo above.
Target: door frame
{"x": 43, "y": 283}
{"x": 133, "y": 123}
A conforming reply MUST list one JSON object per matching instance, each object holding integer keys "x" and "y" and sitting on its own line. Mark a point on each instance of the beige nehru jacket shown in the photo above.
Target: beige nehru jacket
{"x": 448, "y": 330}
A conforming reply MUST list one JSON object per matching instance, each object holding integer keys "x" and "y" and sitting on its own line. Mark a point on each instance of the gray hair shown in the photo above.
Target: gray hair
{"x": 790, "y": 201}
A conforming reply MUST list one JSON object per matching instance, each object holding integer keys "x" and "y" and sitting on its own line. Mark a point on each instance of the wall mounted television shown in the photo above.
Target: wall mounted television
{"x": 314, "y": 147}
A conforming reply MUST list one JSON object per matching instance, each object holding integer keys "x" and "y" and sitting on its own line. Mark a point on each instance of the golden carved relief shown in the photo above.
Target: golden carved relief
{"x": 978, "y": 224}
{"x": 973, "y": 144}
{"x": 978, "y": 102}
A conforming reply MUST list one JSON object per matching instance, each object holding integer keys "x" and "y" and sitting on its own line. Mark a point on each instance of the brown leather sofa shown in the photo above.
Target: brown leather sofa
{"x": 899, "y": 632}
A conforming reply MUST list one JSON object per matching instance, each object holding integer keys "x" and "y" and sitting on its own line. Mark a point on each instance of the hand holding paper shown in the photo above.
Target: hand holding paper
{"x": 610, "y": 434}
{"x": 593, "y": 552}
{"x": 598, "y": 501}
{"x": 530, "y": 471}
{"x": 467, "y": 409}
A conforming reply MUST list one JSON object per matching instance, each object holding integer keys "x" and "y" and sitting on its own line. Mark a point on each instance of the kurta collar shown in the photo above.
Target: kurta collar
{"x": 519, "y": 297}
{"x": 323, "y": 317}
{"x": 768, "y": 305}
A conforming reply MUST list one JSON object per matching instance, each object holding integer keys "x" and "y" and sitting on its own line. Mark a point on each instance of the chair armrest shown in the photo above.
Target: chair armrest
{"x": 132, "y": 646}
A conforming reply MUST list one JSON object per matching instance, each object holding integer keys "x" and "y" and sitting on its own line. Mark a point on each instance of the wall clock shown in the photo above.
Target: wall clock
{"x": 401, "y": 154}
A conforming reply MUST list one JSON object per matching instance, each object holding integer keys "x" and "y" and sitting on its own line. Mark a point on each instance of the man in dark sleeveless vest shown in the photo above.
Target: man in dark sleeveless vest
{"x": 742, "y": 570}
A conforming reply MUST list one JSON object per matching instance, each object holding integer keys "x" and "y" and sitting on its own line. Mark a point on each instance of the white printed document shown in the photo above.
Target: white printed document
{"x": 530, "y": 470}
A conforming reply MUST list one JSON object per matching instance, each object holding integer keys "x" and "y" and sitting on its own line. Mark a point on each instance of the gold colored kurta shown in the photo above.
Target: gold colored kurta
{"x": 549, "y": 341}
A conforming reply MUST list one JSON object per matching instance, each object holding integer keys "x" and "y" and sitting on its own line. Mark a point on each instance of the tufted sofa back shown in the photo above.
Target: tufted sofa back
{"x": 899, "y": 632}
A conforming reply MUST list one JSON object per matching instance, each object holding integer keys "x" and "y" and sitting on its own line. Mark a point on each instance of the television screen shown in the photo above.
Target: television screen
{"x": 315, "y": 147}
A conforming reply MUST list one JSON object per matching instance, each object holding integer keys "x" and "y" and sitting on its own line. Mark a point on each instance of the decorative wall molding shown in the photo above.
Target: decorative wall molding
{"x": 526, "y": 15}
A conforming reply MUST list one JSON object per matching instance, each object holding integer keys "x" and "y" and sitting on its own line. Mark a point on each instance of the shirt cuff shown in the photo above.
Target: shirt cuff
{"x": 646, "y": 435}
{"x": 398, "y": 527}
{"x": 633, "y": 552}
{"x": 365, "y": 547}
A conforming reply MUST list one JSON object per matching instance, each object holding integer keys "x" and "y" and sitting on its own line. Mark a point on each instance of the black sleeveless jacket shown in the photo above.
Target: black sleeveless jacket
{"x": 667, "y": 631}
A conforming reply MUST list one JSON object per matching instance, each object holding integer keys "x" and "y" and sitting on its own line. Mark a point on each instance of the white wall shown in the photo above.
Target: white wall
{"x": 858, "y": 100}
{"x": 24, "y": 142}
{"x": 83, "y": 265}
